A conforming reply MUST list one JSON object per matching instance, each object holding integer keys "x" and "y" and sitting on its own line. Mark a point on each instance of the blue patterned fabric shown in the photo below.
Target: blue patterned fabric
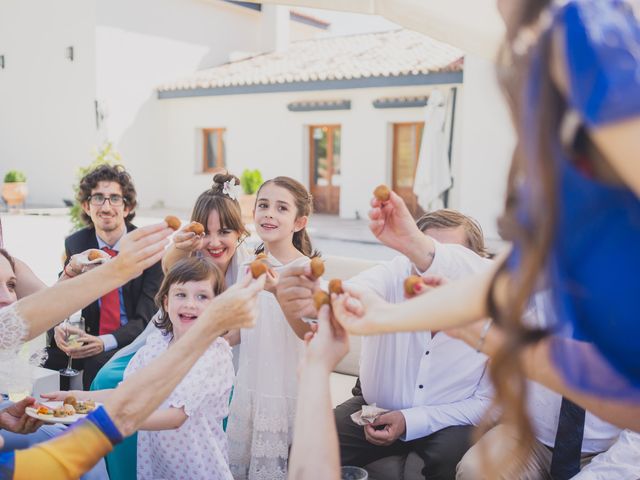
{"x": 594, "y": 270}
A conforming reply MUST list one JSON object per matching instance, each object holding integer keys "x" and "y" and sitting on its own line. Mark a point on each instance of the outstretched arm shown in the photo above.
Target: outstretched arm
{"x": 315, "y": 452}
{"x": 140, "y": 249}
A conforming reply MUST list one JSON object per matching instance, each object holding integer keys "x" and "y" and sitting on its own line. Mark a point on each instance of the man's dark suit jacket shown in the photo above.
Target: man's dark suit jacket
{"x": 139, "y": 304}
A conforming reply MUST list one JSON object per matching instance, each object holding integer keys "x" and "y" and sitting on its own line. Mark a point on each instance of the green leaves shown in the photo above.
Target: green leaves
{"x": 14, "y": 176}
{"x": 250, "y": 180}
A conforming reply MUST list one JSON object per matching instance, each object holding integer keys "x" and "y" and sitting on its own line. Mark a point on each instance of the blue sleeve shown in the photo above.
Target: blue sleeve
{"x": 7, "y": 465}
{"x": 100, "y": 418}
{"x": 602, "y": 41}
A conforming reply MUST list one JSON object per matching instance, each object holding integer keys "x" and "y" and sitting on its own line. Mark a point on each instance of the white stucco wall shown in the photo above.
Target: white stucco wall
{"x": 142, "y": 44}
{"x": 482, "y": 147}
{"x": 47, "y": 119}
{"x": 262, "y": 133}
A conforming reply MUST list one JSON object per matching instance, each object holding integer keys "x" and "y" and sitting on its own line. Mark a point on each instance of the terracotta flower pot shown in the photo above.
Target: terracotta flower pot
{"x": 247, "y": 202}
{"x": 14, "y": 193}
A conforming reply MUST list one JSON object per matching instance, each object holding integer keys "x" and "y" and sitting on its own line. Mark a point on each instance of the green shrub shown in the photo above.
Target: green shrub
{"x": 14, "y": 176}
{"x": 104, "y": 155}
{"x": 250, "y": 180}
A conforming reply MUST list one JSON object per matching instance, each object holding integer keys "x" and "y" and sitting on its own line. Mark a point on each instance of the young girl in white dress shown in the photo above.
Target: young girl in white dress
{"x": 184, "y": 439}
{"x": 262, "y": 412}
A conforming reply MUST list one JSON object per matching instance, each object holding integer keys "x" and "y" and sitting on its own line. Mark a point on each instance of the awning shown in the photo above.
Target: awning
{"x": 474, "y": 26}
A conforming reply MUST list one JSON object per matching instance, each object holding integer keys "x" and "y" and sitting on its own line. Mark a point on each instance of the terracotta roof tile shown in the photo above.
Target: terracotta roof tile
{"x": 382, "y": 54}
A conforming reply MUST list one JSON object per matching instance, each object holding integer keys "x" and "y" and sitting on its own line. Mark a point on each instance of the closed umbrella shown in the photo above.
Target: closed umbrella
{"x": 433, "y": 175}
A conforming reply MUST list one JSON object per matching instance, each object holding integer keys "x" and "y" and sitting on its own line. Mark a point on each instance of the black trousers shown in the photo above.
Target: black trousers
{"x": 57, "y": 360}
{"x": 440, "y": 451}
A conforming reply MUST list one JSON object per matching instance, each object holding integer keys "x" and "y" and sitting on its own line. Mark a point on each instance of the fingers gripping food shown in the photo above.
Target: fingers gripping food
{"x": 382, "y": 193}
{"x": 335, "y": 286}
{"x": 320, "y": 297}
{"x": 258, "y": 267}
{"x": 173, "y": 222}
{"x": 95, "y": 255}
{"x": 410, "y": 285}
{"x": 195, "y": 227}
{"x": 317, "y": 267}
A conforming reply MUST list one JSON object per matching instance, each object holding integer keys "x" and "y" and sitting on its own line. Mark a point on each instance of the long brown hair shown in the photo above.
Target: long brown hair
{"x": 215, "y": 199}
{"x": 304, "y": 206}
{"x": 531, "y": 232}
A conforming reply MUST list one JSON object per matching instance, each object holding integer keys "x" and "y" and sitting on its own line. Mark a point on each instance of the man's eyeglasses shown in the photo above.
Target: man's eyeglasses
{"x": 98, "y": 200}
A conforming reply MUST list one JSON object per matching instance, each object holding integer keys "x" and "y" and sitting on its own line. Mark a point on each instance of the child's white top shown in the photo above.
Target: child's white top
{"x": 260, "y": 427}
{"x": 198, "y": 449}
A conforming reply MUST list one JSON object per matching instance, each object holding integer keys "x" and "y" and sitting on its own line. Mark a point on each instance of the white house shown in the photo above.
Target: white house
{"x": 74, "y": 73}
{"x": 340, "y": 114}
{"x": 77, "y": 72}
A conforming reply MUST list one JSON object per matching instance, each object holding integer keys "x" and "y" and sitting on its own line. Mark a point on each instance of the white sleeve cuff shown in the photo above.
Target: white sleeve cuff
{"x": 110, "y": 342}
{"x": 414, "y": 419}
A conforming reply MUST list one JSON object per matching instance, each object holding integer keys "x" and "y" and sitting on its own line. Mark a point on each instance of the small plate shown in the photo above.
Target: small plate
{"x": 33, "y": 412}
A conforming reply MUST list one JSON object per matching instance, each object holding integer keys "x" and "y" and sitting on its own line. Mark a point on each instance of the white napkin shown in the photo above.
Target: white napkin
{"x": 367, "y": 415}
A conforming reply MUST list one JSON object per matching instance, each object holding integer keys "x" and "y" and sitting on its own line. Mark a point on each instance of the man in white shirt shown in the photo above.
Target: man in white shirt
{"x": 606, "y": 451}
{"x": 435, "y": 387}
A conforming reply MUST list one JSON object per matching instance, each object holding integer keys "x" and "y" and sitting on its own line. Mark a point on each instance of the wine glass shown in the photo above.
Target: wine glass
{"x": 71, "y": 338}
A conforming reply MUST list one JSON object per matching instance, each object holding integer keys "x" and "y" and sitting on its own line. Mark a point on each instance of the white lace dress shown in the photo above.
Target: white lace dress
{"x": 198, "y": 449}
{"x": 262, "y": 412}
{"x": 14, "y": 367}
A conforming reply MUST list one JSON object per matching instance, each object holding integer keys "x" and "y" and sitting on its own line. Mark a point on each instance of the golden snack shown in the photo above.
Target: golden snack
{"x": 42, "y": 410}
{"x": 94, "y": 255}
{"x": 195, "y": 227}
{"x": 335, "y": 286}
{"x": 172, "y": 222}
{"x": 410, "y": 284}
{"x": 382, "y": 193}
{"x": 70, "y": 400}
{"x": 317, "y": 267}
{"x": 320, "y": 298}
{"x": 258, "y": 267}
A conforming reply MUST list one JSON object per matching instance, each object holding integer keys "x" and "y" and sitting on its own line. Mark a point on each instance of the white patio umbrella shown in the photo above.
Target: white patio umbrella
{"x": 474, "y": 26}
{"x": 433, "y": 175}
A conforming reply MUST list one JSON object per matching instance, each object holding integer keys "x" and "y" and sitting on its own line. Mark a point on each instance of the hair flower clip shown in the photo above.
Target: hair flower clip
{"x": 231, "y": 190}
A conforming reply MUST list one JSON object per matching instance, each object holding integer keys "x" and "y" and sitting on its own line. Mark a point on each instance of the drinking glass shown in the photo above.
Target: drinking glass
{"x": 77, "y": 321}
{"x": 353, "y": 473}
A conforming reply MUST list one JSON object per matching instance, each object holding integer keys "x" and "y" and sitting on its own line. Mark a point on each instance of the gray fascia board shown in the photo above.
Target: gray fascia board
{"x": 437, "y": 78}
{"x": 319, "y": 106}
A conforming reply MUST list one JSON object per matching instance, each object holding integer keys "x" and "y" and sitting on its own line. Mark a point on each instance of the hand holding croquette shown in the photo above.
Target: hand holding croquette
{"x": 173, "y": 222}
{"x": 194, "y": 227}
{"x": 382, "y": 193}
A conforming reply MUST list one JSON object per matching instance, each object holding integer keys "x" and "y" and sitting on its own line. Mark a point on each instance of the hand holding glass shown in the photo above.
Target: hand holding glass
{"x": 72, "y": 326}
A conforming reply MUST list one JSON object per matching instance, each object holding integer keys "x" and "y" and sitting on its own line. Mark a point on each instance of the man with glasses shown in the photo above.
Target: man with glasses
{"x": 108, "y": 199}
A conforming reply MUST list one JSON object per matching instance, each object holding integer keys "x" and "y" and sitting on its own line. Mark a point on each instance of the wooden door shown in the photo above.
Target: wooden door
{"x": 325, "y": 167}
{"x": 406, "y": 148}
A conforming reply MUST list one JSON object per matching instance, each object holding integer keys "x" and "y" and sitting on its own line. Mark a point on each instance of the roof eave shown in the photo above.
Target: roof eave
{"x": 435, "y": 78}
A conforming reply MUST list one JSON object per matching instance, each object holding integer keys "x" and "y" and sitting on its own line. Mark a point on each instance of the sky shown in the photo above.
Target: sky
{"x": 343, "y": 23}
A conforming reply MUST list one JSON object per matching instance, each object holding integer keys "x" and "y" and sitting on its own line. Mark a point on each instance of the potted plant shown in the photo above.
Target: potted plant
{"x": 14, "y": 189}
{"x": 250, "y": 181}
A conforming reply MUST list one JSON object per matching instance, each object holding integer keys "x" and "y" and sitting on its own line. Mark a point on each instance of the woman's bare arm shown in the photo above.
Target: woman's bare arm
{"x": 140, "y": 249}
{"x": 142, "y": 393}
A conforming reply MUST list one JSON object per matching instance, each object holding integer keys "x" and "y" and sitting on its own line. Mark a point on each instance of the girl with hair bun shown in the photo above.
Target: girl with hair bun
{"x": 218, "y": 211}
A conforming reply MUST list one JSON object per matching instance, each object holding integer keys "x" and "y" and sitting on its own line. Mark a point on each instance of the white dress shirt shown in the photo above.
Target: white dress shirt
{"x": 621, "y": 461}
{"x": 436, "y": 382}
{"x": 544, "y": 411}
